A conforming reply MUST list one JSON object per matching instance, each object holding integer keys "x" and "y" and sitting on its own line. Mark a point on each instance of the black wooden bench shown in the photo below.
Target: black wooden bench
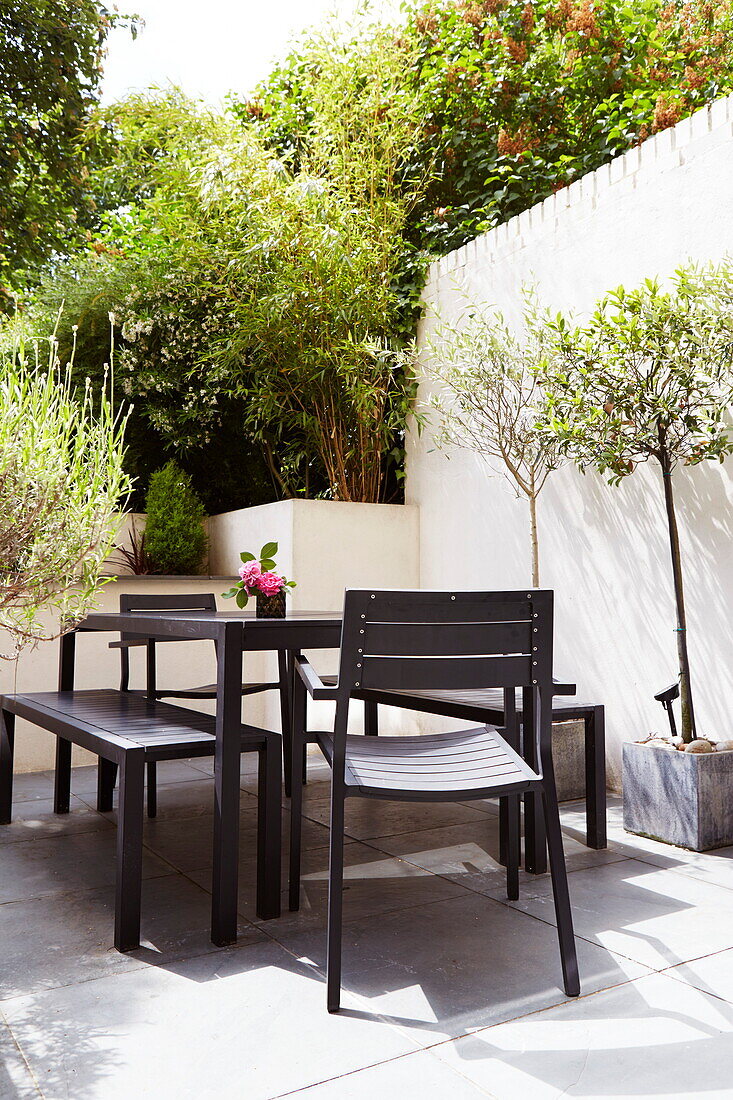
{"x": 129, "y": 731}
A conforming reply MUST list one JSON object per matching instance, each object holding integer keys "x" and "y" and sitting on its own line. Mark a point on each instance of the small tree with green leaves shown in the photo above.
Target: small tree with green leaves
{"x": 62, "y": 487}
{"x": 175, "y": 539}
{"x": 487, "y": 399}
{"x": 649, "y": 377}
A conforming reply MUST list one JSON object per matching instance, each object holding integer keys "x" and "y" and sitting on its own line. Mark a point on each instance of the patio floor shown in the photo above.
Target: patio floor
{"x": 450, "y": 990}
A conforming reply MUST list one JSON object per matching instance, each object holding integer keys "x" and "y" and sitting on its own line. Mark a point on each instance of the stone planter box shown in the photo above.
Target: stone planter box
{"x": 678, "y": 797}
{"x": 568, "y": 757}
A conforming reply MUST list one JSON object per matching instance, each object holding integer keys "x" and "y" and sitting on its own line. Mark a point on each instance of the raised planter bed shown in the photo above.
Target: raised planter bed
{"x": 680, "y": 798}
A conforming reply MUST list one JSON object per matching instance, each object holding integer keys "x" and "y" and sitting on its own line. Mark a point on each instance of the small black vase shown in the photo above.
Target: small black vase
{"x": 271, "y": 607}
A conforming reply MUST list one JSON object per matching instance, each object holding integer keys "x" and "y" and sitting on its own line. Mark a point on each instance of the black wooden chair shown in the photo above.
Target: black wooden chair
{"x": 416, "y": 641}
{"x": 191, "y": 601}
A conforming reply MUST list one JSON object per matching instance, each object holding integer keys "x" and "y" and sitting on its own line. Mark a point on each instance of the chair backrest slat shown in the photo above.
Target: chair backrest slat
{"x": 178, "y": 601}
{"x": 458, "y": 673}
{"x": 412, "y": 639}
{"x": 446, "y": 607}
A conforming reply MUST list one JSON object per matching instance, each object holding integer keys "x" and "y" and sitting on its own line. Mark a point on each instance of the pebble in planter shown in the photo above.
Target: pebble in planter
{"x": 259, "y": 579}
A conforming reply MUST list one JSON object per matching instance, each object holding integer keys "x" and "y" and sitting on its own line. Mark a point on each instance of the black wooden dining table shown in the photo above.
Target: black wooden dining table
{"x": 234, "y": 633}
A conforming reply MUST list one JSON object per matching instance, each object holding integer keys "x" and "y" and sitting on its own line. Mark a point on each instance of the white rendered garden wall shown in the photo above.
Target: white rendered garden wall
{"x": 324, "y": 545}
{"x": 603, "y": 550}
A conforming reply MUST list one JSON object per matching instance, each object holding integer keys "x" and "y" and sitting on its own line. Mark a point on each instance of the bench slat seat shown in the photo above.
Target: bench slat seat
{"x": 162, "y": 729}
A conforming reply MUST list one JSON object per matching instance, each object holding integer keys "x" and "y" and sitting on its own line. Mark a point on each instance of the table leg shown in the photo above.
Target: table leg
{"x": 371, "y": 719}
{"x": 595, "y": 779}
{"x": 535, "y": 844}
{"x": 226, "y": 785}
{"x": 284, "y": 674}
{"x": 62, "y": 778}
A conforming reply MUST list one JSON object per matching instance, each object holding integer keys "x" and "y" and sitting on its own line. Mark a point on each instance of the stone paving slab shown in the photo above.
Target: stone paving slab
{"x": 450, "y": 990}
{"x": 640, "y": 1040}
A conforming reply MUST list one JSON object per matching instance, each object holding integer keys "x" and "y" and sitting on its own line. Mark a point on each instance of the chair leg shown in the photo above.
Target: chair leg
{"x": 7, "y": 744}
{"x": 152, "y": 788}
{"x": 535, "y": 843}
{"x": 512, "y": 846}
{"x": 335, "y": 896}
{"x": 129, "y": 850}
{"x": 563, "y": 912}
{"x": 269, "y": 851}
{"x": 62, "y": 782}
{"x": 296, "y": 796}
{"x": 106, "y": 780}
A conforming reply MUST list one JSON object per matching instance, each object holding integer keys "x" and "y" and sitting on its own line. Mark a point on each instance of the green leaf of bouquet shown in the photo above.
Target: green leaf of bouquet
{"x": 268, "y": 550}
{"x": 230, "y": 594}
{"x": 246, "y": 556}
{"x": 267, "y": 563}
{"x": 242, "y": 598}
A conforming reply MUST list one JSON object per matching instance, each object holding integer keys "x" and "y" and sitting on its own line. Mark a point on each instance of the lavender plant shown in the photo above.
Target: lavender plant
{"x": 62, "y": 484}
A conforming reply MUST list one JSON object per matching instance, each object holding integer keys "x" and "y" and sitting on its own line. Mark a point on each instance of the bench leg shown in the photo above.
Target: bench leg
{"x": 62, "y": 784}
{"x": 152, "y": 788}
{"x": 106, "y": 780}
{"x": 511, "y": 845}
{"x": 269, "y": 854}
{"x": 129, "y": 851}
{"x": 7, "y": 742}
{"x": 595, "y": 779}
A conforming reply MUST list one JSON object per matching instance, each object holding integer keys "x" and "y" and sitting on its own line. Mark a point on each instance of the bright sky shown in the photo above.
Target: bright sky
{"x": 210, "y": 47}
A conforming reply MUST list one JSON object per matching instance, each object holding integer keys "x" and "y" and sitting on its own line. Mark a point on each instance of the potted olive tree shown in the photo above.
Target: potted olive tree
{"x": 62, "y": 485}
{"x": 648, "y": 378}
{"x": 487, "y": 392}
{"x": 487, "y": 395}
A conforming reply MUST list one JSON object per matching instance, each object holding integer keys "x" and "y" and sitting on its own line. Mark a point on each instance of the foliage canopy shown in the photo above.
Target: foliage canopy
{"x": 50, "y": 68}
{"x": 521, "y": 97}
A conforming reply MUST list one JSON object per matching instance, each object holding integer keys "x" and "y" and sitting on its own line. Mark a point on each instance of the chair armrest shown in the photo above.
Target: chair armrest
{"x": 563, "y": 687}
{"x": 128, "y": 644}
{"x": 313, "y": 682}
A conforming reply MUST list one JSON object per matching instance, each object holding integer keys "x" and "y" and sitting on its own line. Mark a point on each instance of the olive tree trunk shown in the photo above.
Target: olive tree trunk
{"x": 532, "y": 495}
{"x": 688, "y": 714}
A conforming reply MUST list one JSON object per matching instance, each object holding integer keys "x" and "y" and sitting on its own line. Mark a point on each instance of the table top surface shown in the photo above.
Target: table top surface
{"x": 124, "y": 620}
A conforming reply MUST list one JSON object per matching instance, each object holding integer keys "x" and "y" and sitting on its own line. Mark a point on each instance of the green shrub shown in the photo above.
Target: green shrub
{"x": 520, "y": 97}
{"x": 175, "y": 539}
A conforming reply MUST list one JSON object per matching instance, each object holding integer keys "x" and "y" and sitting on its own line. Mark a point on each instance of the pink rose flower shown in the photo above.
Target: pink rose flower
{"x": 250, "y": 573}
{"x": 269, "y": 583}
